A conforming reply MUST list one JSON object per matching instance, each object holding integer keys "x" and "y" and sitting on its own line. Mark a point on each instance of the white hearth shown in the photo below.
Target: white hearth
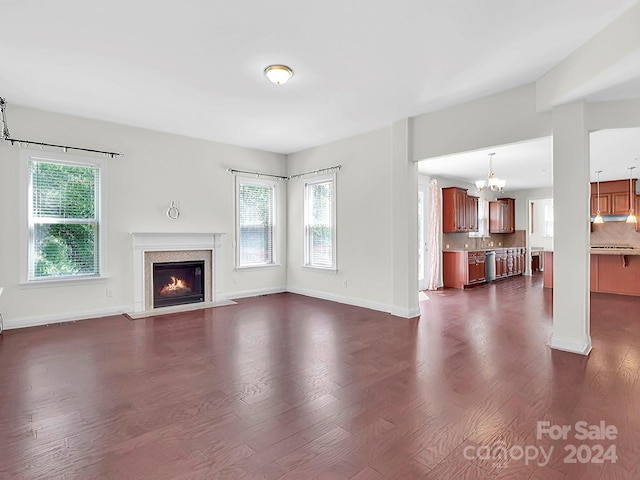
{"x": 151, "y": 247}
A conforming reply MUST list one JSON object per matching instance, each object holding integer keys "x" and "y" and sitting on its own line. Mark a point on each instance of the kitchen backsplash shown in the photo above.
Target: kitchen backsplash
{"x": 462, "y": 241}
{"x": 615, "y": 233}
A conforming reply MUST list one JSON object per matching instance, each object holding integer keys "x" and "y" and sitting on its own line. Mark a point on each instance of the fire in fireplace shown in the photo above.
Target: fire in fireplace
{"x": 177, "y": 283}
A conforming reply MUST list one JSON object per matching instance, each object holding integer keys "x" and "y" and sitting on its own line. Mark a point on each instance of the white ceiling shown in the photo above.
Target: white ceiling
{"x": 530, "y": 164}
{"x": 195, "y": 67}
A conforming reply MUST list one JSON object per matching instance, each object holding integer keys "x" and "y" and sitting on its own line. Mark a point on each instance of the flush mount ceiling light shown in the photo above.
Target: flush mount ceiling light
{"x": 492, "y": 183}
{"x": 278, "y": 74}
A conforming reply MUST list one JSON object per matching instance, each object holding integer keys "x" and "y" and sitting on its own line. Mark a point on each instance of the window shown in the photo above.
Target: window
{"x": 64, "y": 227}
{"x": 255, "y": 201}
{"x": 483, "y": 219}
{"x": 548, "y": 220}
{"x": 319, "y": 222}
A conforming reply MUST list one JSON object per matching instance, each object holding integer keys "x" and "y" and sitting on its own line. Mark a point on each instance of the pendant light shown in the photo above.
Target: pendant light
{"x": 631, "y": 218}
{"x": 598, "y": 218}
{"x": 492, "y": 183}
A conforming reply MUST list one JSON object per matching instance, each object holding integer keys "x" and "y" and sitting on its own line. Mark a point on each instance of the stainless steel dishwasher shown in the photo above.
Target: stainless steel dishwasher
{"x": 490, "y": 265}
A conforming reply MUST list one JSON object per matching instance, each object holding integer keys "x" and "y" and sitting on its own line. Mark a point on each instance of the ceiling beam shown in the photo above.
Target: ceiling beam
{"x": 610, "y": 58}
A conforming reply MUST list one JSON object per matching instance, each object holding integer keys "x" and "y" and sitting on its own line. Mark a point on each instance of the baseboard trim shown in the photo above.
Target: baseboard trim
{"x": 356, "y": 302}
{"x": 406, "y": 312}
{"x": 39, "y": 320}
{"x": 571, "y": 345}
{"x": 254, "y": 293}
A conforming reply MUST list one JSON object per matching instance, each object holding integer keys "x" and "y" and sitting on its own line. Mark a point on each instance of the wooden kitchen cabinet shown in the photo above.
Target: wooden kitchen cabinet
{"x": 459, "y": 211}
{"x": 462, "y": 269}
{"x": 472, "y": 213}
{"x": 501, "y": 264}
{"x": 637, "y": 212}
{"x": 502, "y": 216}
{"x": 614, "y": 197}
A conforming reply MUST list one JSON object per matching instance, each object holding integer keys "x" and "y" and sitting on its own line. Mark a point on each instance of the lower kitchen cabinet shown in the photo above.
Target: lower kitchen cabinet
{"x": 462, "y": 268}
{"x": 466, "y": 268}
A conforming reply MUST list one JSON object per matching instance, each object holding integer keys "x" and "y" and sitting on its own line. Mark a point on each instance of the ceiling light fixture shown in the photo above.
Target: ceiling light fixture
{"x": 492, "y": 183}
{"x": 631, "y": 218}
{"x": 598, "y": 218}
{"x": 278, "y": 74}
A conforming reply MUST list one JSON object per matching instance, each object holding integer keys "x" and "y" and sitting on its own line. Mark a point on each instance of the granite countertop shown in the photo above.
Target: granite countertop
{"x": 615, "y": 251}
{"x": 611, "y": 251}
{"x": 483, "y": 249}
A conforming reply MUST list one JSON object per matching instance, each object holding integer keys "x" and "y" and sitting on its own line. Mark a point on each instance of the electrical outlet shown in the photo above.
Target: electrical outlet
{"x": 491, "y": 245}
{"x": 466, "y": 245}
{"x": 235, "y": 280}
{"x": 447, "y": 245}
{"x": 109, "y": 292}
{"x": 344, "y": 283}
{"x": 499, "y": 244}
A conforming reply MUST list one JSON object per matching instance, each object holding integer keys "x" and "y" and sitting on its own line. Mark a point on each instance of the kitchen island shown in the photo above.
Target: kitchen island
{"x": 613, "y": 270}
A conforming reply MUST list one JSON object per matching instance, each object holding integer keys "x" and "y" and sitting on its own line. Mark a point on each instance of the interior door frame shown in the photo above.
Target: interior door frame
{"x": 423, "y": 188}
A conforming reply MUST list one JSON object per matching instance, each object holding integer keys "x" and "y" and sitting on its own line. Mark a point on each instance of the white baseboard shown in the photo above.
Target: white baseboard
{"x": 39, "y": 320}
{"x": 254, "y": 293}
{"x": 356, "y": 302}
{"x": 405, "y": 312}
{"x": 570, "y": 345}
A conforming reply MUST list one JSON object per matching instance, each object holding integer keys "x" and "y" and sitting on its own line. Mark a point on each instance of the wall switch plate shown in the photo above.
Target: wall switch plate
{"x": 446, "y": 246}
{"x": 466, "y": 245}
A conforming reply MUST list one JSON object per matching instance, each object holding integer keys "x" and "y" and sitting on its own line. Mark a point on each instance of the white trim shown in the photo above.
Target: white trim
{"x": 356, "y": 302}
{"x": 254, "y": 293}
{"x": 189, "y": 307}
{"x": 27, "y": 155}
{"x": 571, "y": 345}
{"x": 39, "y": 320}
{"x": 405, "y": 312}
{"x": 157, "y": 241}
{"x": 334, "y": 219}
{"x": 275, "y": 237}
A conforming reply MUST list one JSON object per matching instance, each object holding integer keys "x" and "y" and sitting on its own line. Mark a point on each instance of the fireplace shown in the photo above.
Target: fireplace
{"x": 178, "y": 283}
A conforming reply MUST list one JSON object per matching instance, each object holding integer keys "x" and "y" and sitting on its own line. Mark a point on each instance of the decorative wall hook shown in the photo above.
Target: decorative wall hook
{"x": 173, "y": 212}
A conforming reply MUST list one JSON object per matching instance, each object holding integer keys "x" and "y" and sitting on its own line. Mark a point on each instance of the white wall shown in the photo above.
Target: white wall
{"x": 155, "y": 169}
{"x": 364, "y": 237}
{"x": 503, "y": 118}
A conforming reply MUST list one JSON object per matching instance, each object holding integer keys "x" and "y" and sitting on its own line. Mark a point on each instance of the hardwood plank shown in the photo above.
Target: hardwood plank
{"x": 285, "y": 386}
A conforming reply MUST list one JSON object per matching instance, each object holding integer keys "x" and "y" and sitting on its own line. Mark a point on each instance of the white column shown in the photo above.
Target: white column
{"x": 571, "y": 197}
{"x": 404, "y": 223}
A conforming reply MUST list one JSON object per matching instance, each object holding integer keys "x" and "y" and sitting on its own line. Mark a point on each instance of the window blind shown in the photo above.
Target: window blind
{"x": 63, "y": 220}
{"x": 319, "y": 224}
{"x": 255, "y": 224}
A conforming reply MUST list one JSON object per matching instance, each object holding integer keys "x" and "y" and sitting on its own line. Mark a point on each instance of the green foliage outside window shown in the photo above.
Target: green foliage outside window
{"x": 63, "y": 220}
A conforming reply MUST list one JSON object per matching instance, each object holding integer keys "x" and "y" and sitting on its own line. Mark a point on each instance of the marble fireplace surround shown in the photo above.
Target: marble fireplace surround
{"x": 152, "y": 247}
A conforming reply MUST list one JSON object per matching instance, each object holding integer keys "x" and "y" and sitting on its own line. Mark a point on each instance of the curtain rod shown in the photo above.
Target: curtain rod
{"x": 335, "y": 168}
{"x": 7, "y": 138}
{"x": 233, "y": 171}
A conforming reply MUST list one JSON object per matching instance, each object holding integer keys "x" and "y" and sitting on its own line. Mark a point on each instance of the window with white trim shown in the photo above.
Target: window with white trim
{"x": 255, "y": 222}
{"x": 64, "y": 217}
{"x": 320, "y": 222}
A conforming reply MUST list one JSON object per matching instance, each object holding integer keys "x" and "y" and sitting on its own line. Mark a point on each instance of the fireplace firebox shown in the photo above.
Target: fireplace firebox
{"x": 178, "y": 283}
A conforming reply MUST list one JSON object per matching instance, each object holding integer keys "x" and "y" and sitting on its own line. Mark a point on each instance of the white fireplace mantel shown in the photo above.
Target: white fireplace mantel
{"x": 159, "y": 242}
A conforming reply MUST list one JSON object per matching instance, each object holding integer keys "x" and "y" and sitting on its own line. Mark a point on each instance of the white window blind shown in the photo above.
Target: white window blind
{"x": 319, "y": 223}
{"x": 255, "y": 222}
{"x": 63, "y": 220}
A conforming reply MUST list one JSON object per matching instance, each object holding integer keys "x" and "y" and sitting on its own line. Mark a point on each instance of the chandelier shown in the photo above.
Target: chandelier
{"x": 492, "y": 182}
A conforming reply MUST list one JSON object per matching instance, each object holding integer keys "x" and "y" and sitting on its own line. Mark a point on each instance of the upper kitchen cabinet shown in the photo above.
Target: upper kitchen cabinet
{"x": 459, "y": 211}
{"x": 614, "y": 197}
{"x": 502, "y": 216}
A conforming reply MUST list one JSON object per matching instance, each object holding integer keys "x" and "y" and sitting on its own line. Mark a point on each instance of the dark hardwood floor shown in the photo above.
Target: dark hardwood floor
{"x": 289, "y": 387}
